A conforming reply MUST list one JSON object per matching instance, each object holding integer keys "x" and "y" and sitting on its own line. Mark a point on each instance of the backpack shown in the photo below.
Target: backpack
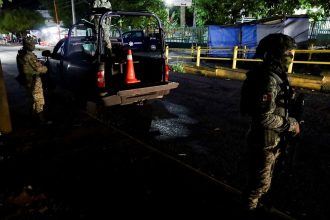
{"x": 249, "y": 93}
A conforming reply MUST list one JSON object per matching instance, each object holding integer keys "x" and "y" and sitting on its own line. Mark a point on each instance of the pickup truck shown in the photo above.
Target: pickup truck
{"x": 92, "y": 61}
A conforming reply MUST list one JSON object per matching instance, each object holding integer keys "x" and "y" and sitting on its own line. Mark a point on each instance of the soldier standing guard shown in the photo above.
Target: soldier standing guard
{"x": 30, "y": 71}
{"x": 265, "y": 98}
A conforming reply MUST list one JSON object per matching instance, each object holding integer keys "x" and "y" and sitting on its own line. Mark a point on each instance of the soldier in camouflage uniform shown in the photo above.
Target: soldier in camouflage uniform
{"x": 107, "y": 22}
{"x": 268, "y": 110}
{"x": 31, "y": 69}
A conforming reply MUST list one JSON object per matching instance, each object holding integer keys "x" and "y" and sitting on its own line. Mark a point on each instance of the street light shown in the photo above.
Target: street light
{"x": 57, "y": 22}
{"x": 168, "y": 2}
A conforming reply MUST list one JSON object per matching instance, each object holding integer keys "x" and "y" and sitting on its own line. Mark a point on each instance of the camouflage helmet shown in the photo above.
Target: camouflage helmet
{"x": 274, "y": 46}
{"x": 28, "y": 43}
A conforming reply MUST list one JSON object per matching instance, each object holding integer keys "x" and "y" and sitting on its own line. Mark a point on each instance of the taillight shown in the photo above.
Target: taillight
{"x": 167, "y": 71}
{"x": 100, "y": 79}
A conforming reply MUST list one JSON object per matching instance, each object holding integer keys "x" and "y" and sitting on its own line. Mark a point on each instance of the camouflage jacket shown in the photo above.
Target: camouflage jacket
{"x": 32, "y": 66}
{"x": 271, "y": 102}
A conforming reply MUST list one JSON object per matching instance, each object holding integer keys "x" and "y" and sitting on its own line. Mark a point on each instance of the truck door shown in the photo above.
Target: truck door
{"x": 55, "y": 63}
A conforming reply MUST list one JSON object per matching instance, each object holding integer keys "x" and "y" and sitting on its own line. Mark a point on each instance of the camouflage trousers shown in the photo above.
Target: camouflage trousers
{"x": 262, "y": 163}
{"x": 38, "y": 100}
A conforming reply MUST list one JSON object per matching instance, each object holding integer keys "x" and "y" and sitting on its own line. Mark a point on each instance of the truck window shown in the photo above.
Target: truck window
{"x": 89, "y": 48}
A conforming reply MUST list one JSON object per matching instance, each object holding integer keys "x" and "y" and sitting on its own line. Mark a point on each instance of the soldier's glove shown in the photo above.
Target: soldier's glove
{"x": 294, "y": 128}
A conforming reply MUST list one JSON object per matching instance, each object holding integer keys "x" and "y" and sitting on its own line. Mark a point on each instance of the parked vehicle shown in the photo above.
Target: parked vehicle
{"x": 139, "y": 40}
{"x": 93, "y": 71}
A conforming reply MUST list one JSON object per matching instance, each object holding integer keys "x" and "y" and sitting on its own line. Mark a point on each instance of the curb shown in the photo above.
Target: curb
{"x": 325, "y": 86}
{"x": 319, "y": 83}
{"x": 5, "y": 122}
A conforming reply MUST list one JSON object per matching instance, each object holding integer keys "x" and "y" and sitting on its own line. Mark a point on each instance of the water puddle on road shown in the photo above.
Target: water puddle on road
{"x": 171, "y": 120}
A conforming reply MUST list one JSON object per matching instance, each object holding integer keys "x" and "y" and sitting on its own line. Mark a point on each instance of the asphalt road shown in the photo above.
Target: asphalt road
{"x": 198, "y": 124}
{"x": 78, "y": 168}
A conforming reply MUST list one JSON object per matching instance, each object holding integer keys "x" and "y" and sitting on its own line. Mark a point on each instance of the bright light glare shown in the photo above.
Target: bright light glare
{"x": 49, "y": 35}
{"x": 168, "y": 2}
{"x": 304, "y": 11}
{"x": 316, "y": 9}
{"x": 300, "y": 11}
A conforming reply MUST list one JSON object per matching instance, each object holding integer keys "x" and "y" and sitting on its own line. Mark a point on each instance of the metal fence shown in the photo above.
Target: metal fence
{"x": 187, "y": 35}
{"x": 239, "y": 55}
{"x": 319, "y": 27}
{"x": 319, "y": 31}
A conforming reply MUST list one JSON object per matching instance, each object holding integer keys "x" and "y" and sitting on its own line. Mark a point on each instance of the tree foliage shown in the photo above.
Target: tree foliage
{"x": 20, "y": 20}
{"x": 64, "y": 10}
{"x": 228, "y": 11}
{"x": 207, "y": 11}
{"x": 1, "y": 2}
{"x": 155, "y": 6}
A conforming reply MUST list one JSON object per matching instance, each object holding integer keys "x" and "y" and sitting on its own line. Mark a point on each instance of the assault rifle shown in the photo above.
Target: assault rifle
{"x": 297, "y": 107}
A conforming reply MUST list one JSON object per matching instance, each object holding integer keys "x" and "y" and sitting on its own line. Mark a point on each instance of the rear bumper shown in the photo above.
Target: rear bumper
{"x": 130, "y": 96}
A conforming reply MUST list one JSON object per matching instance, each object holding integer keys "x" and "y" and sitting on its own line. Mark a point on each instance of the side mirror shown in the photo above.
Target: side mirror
{"x": 46, "y": 53}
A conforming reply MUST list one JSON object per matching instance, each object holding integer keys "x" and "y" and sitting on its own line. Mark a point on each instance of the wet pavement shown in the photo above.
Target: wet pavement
{"x": 84, "y": 170}
{"x": 78, "y": 168}
{"x": 81, "y": 169}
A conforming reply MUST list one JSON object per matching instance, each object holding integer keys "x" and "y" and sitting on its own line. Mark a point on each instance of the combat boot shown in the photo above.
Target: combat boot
{"x": 43, "y": 120}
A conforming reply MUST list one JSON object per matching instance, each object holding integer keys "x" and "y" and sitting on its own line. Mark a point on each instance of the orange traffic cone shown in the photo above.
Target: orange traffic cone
{"x": 130, "y": 73}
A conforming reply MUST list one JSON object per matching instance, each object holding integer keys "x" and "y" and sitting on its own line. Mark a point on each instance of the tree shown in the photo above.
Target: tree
{"x": 227, "y": 12}
{"x": 1, "y": 2}
{"x": 82, "y": 7}
{"x": 155, "y": 6}
{"x": 64, "y": 9}
{"x": 27, "y": 4}
{"x": 20, "y": 20}
{"x": 208, "y": 11}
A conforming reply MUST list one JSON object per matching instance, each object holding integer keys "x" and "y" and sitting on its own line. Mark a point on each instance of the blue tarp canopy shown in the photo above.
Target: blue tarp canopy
{"x": 223, "y": 37}
{"x": 249, "y": 38}
{"x": 249, "y": 34}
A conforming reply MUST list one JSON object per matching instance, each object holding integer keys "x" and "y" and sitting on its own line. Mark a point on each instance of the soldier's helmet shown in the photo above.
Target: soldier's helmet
{"x": 274, "y": 46}
{"x": 28, "y": 43}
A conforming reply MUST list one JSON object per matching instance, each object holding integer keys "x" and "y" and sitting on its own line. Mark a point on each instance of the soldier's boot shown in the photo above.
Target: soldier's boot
{"x": 249, "y": 207}
{"x": 42, "y": 119}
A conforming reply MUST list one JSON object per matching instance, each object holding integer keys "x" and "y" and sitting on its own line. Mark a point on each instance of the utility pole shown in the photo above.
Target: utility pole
{"x": 73, "y": 12}
{"x": 56, "y": 17}
{"x": 182, "y": 16}
{"x": 194, "y": 17}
